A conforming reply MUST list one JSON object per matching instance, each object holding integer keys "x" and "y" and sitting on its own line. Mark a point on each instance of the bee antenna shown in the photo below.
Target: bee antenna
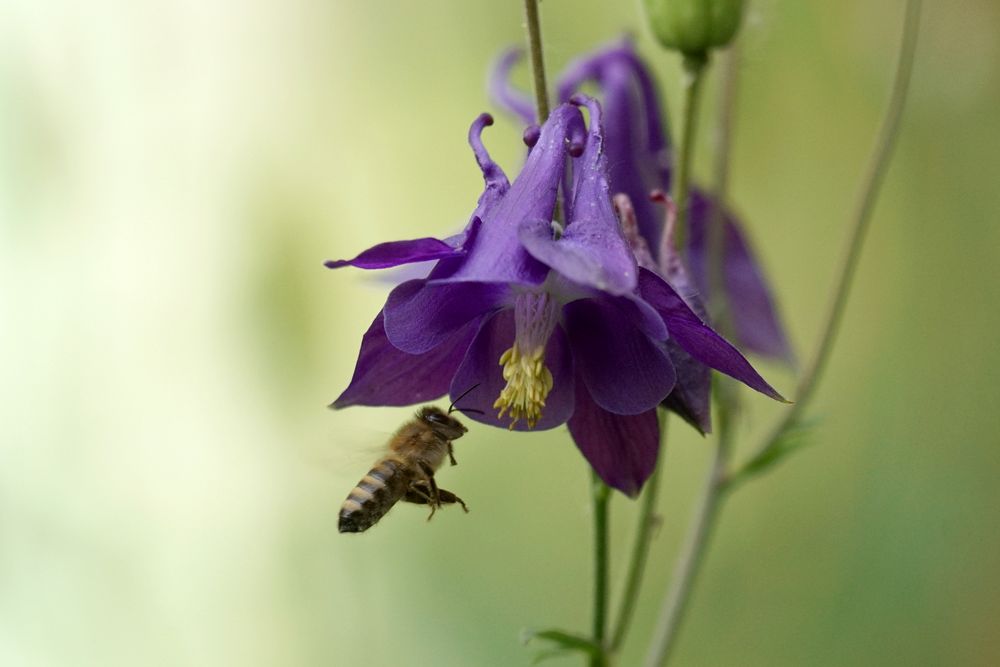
{"x": 478, "y": 412}
{"x": 463, "y": 395}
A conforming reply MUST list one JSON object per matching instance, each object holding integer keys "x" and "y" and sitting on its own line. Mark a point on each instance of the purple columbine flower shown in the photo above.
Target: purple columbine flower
{"x": 638, "y": 152}
{"x": 547, "y": 323}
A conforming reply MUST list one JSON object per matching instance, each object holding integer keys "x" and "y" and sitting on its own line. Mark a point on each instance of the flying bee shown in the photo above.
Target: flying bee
{"x": 406, "y": 473}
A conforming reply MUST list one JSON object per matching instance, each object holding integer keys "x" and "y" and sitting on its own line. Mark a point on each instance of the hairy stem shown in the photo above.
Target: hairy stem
{"x": 694, "y": 69}
{"x": 871, "y": 184}
{"x": 601, "y": 494}
{"x": 690, "y": 558}
{"x": 537, "y": 61}
{"x": 640, "y": 548}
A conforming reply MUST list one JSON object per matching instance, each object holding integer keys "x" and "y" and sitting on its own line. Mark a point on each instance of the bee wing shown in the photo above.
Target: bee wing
{"x": 345, "y": 459}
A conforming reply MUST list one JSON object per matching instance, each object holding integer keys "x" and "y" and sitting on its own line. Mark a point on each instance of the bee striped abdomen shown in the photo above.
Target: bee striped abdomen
{"x": 374, "y": 495}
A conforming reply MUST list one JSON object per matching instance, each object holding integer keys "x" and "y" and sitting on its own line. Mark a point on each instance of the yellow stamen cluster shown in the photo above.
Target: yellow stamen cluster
{"x": 528, "y": 385}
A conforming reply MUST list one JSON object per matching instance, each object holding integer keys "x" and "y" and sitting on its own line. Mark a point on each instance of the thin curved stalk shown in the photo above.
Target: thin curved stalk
{"x": 640, "y": 547}
{"x": 694, "y": 75}
{"x": 871, "y": 185}
{"x": 690, "y": 558}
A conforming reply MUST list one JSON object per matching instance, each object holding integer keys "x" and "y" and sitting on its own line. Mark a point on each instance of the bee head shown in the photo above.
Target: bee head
{"x": 441, "y": 422}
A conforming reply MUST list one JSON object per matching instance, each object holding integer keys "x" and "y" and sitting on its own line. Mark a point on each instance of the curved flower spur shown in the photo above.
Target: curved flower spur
{"x": 639, "y": 158}
{"x": 554, "y": 323}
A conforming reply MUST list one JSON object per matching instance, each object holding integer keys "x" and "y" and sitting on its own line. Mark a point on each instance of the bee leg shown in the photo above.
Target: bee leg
{"x": 419, "y": 495}
{"x": 451, "y": 454}
{"x": 429, "y": 473}
{"x": 449, "y": 498}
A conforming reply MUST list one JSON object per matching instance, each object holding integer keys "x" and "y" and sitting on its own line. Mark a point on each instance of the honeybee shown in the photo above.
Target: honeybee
{"x": 406, "y": 473}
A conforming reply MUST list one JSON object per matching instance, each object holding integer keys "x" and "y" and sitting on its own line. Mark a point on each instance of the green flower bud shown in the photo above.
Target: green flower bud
{"x": 694, "y": 27}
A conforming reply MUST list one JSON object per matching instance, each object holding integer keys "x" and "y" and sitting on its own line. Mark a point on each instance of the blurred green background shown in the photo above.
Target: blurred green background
{"x": 172, "y": 175}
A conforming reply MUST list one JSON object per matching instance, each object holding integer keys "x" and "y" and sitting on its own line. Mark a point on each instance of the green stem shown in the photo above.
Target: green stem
{"x": 718, "y": 298}
{"x": 726, "y": 398}
{"x": 600, "y": 494}
{"x": 694, "y": 68}
{"x": 640, "y": 548}
{"x": 537, "y": 62}
{"x": 690, "y": 558}
{"x": 871, "y": 184}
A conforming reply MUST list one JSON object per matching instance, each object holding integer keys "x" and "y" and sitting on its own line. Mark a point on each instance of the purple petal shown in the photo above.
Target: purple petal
{"x": 492, "y": 173}
{"x": 421, "y": 314}
{"x": 619, "y": 68}
{"x": 392, "y": 277}
{"x": 696, "y": 337}
{"x": 622, "y": 449}
{"x": 497, "y": 254}
{"x": 624, "y": 370}
{"x": 691, "y": 397}
{"x": 754, "y": 314}
{"x": 395, "y": 253}
{"x": 633, "y": 309}
{"x": 592, "y": 250}
{"x": 506, "y": 95}
{"x": 482, "y": 366}
{"x": 496, "y": 187}
{"x": 386, "y": 376}
{"x": 587, "y": 253}
{"x": 635, "y": 145}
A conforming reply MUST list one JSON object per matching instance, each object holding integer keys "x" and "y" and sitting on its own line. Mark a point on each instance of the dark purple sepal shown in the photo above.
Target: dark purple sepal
{"x": 396, "y": 253}
{"x": 481, "y": 366}
{"x": 691, "y": 397}
{"x": 618, "y": 68}
{"x": 752, "y": 309}
{"x": 696, "y": 337}
{"x": 622, "y": 449}
{"x": 384, "y": 375}
{"x": 422, "y": 314}
{"x": 625, "y": 371}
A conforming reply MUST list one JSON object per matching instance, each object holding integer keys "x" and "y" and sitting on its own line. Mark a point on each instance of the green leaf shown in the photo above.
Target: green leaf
{"x": 567, "y": 641}
{"x": 794, "y": 437}
{"x": 542, "y": 656}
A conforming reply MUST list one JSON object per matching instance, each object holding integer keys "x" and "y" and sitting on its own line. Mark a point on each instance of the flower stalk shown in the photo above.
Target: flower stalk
{"x": 726, "y": 399}
{"x": 601, "y": 496}
{"x": 719, "y": 482}
{"x": 719, "y": 298}
{"x": 640, "y": 547}
{"x": 694, "y": 69}
{"x": 861, "y": 221}
{"x": 534, "y": 27}
{"x": 690, "y": 558}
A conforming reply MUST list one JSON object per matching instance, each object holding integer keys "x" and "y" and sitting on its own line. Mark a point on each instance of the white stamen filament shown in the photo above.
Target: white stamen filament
{"x": 529, "y": 381}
